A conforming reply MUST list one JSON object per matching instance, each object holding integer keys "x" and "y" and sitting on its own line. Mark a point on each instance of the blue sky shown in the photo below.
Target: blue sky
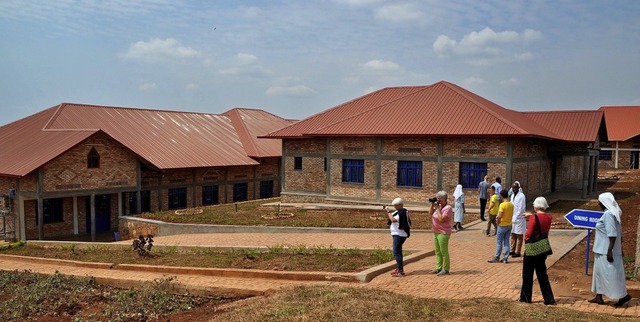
{"x": 298, "y": 58}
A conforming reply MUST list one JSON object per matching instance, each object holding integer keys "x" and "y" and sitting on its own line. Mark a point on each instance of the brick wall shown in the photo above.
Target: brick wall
{"x": 530, "y": 165}
{"x": 308, "y": 179}
{"x": 624, "y": 156}
{"x": 69, "y": 171}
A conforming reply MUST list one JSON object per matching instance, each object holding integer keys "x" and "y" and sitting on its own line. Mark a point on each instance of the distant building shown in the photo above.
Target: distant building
{"x": 413, "y": 141}
{"x": 622, "y": 150}
{"x": 77, "y": 168}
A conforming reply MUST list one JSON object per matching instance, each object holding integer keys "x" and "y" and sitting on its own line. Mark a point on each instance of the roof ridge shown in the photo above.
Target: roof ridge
{"x": 245, "y": 131}
{"x": 423, "y": 87}
{"x": 138, "y": 108}
{"x": 464, "y": 93}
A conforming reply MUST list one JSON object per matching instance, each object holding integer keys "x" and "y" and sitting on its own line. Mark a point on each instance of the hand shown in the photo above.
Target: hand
{"x": 609, "y": 257}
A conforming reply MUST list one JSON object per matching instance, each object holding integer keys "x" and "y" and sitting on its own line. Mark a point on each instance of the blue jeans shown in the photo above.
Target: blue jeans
{"x": 502, "y": 238}
{"x": 397, "y": 251}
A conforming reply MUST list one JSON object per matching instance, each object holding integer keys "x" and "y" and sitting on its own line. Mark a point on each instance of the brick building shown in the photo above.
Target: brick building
{"x": 622, "y": 150}
{"x": 77, "y": 168}
{"x": 415, "y": 141}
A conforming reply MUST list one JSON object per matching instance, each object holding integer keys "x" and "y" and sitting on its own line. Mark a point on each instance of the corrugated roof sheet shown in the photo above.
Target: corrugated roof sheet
{"x": 441, "y": 109}
{"x": 573, "y": 126}
{"x": 250, "y": 124}
{"x": 623, "y": 122}
{"x": 165, "y": 139}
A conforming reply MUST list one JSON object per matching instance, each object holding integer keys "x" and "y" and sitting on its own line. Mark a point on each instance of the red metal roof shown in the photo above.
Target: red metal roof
{"x": 165, "y": 139}
{"x": 441, "y": 109}
{"x": 573, "y": 126}
{"x": 251, "y": 123}
{"x": 623, "y": 122}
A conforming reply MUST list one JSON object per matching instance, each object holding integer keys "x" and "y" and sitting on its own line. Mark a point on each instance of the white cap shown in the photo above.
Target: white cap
{"x": 397, "y": 201}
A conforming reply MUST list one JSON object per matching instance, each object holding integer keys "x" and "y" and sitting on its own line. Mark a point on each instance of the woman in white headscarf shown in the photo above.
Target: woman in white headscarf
{"x": 458, "y": 215}
{"x": 608, "y": 268}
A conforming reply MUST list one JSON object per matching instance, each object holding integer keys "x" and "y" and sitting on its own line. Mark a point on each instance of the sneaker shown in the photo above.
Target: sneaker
{"x": 397, "y": 274}
{"x": 516, "y": 255}
{"x": 395, "y": 271}
{"x": 435, "y": 271}
{"x": 504, "y": 261}
{"x": 443, "y": 272}
{"x": 493, "y": 260}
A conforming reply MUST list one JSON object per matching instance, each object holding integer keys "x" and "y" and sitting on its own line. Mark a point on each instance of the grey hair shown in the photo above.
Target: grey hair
{"x": 441, "y": 193}
{"x": 540, "y": 203}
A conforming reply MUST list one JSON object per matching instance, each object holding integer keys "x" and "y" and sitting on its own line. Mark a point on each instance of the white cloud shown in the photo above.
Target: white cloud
{"x": 398, "y": 12}
{"x": 473, "y": 81}
{"x": 297, "y": 90}
{"x": 524, "y": 56}
{"x": 191, "y": 86}
{"x": 509, "y": 82}
{"x": 381, "y": 65}
{"x": 147, "y": 87}
{"x": 486, "y": 47}
{"x": 357, "y": 3}
{"x": 245, "y": 59}
{"x": 158, "y": 50}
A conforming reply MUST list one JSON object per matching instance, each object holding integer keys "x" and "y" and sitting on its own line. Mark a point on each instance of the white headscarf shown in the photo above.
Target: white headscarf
{"x": 458, "y": 192}
{"x": 610, "y": 203}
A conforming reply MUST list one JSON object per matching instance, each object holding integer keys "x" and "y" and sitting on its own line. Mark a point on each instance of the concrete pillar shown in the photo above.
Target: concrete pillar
{"x": 590, "y": 177}
{"x": 92, "y": 203}
{"x": 75, "y": 215}
{"x": 585, "y": 177}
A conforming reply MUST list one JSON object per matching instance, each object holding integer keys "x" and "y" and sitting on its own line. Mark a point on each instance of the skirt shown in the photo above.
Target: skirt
{"x": 608, "y": 278}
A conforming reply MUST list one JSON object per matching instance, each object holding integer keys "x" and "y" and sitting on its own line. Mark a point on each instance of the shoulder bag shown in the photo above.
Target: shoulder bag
{"x": 538, "y": 244}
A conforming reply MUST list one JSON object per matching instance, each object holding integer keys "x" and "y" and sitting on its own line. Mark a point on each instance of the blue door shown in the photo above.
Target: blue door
{"x": 103, "y": 213}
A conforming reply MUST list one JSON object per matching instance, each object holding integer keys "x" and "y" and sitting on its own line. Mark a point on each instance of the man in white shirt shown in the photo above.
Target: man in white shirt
{"x": 518, "y": 223}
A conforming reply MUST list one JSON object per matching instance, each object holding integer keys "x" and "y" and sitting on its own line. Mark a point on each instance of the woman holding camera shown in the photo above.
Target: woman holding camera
{"x": 441, "y": 215}
{"x": 400, "y": 226}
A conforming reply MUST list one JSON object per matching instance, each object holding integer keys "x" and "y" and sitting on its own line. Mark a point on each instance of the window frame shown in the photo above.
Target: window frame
{"x": 353, "y": 171}
{"x": 409, "y": 174}
{"x": 297, "y": 163}
{"x": 470, "y": 173}
{"x": 177, "y": 198}
{"x": 55, "y": 208}
{"x": 210, "y": 195}
{"x": 238, "y": 192}
{"x": 605, "y": 155}
{"x": 93, "y": 159}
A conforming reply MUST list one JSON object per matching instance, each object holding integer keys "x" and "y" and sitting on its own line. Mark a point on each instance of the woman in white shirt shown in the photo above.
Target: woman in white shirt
{"x": 399, "y": 225}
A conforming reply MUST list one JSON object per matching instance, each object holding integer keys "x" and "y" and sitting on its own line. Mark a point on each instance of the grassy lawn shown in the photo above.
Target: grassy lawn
{"x": 252, "y": 213}
{"x": 279, "y": 257}
{"x": 27, "y": 296}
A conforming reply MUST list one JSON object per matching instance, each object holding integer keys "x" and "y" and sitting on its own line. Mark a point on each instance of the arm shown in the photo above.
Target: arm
{"x": 612, "y": 241}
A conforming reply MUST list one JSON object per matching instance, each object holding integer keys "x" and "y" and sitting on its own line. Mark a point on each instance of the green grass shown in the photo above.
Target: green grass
{"x": 253, "y": 214}
{"x": 332, "y": 303}
{"x": 281, "y": 257}
{"x": 27, "y": 295}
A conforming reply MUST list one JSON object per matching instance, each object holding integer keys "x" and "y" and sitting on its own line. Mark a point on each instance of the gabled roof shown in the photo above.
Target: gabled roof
{"x": 572, "y": 126}
{"x": 251, "y": 123}
{"x": 441, "y": 109}
{"x": 623, "y": 122}
{"x": 164, "y": 139}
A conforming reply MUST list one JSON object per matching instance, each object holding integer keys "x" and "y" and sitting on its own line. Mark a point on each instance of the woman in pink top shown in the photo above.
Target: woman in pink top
{"x": 441, "y": 215}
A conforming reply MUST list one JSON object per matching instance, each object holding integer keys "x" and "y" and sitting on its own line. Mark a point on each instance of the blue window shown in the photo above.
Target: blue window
{"x": 52, "y": 210}
{"x": 605, "y": 155}
{"x": 471, "y": 173}
{"x": 266, "y": 189}
{"x": 210, "y": 195}
{"x": 409, "y": 173}
{"x": 352, "y": 171}
{"x": 240, "y": 191}
{"x": 297, "y": 163}
{"x": 177, "y": 198}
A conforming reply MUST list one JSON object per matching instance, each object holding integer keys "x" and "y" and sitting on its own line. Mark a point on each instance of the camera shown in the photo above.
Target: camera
{"x": 434, "y": 199}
